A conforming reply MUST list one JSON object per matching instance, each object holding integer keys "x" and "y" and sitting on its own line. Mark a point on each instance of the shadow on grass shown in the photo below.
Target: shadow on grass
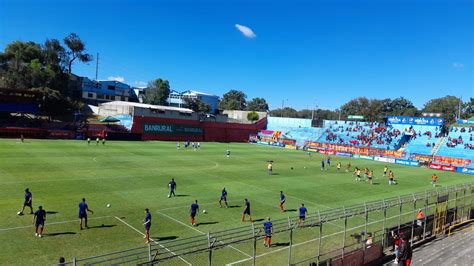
{"x": 282, "y": 244}
{"x": 204, "y": 223}
{"x": 163, "y": 238}
{"x": 234, "y": 206}
{"x": 60, "y": 234}
{"x": 258, "y": 220}
{"x": 290, "y": 210}
{"x": 182, "y": 195}
{"x": 51, "y": 212}
{"x": 102, "y": 226}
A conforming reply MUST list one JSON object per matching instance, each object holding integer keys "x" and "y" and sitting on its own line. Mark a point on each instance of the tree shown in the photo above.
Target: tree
{"x": 468, "y": 108}
{"x": 448, "y": 106}
{"x": 233, "y": 100}
{"x": 157, "y": 92}
{"x": 285, "y": 112}
{"x": 401, "y": 106}
{"x": 77, "y": 50}
{"x": 258, "y": 105}
{"x": 253, "y": 116}
{"x": 196, "y": 105}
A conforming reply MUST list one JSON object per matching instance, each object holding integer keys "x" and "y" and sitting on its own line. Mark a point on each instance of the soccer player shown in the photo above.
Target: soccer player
{"x": 88, "y": 141}
{"x": 147, "y": 225}
{"x": 434, "y": 178}
{"x": 172, "y": 187}
{"x": 282, "y": 201}
{"x": 28, "y": 202}
{"x": 38, "y": 221}
{"x": 83, "y": 209}
{"x": 103, "y": 141}
{"x": 223, "y": 198}
{"x": 177, "y": 145}
{"x": 198, "y": 145}
{"x": 270, "y": 168}
{"x": 348, "y": 167}
{"x": 357, "y": 172}
{"x": 391, "y": 180}
{"x": 97, "y": 140}
{"x": 303, "y": 211}
{"x": 370, "y": 176}
{"x": 385, "y": 169}
{"x": 268, "y": 229}
{"x": 322, "y": 164}
{"x": 246, "y": 211}
{"x": 366, "y": 173}
{"x": 339, "y": 165}
{"x": 22, "y": 138}
{"x": 193, "y": 212}
{"x": 329, "y": 161}
{"x": 227, "y": 153}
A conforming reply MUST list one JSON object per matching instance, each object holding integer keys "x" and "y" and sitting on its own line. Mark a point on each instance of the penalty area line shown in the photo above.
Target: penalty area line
{"x": 154, "y": 241}
{"x": 201, "y": 232}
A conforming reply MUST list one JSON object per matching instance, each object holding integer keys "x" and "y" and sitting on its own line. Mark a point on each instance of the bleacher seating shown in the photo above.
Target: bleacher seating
{"x": 422, "y": 140}
{"x": 458, "y": 144}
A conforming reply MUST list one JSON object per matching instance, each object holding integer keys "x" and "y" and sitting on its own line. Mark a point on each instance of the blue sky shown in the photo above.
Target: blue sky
{"x": 304, "y": 52}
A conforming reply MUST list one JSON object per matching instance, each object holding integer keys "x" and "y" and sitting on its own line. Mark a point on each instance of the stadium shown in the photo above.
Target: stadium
{"x": 101, "y": 172}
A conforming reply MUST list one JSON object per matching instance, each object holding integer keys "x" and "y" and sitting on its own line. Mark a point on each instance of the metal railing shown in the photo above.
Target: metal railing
{"x": 326, "y": 235}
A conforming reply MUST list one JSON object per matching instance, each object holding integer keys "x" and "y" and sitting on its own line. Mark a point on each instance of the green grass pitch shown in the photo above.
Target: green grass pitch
{"x": 132, "y": 176}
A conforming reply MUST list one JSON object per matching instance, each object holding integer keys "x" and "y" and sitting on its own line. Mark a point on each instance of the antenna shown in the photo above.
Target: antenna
{"x": 97, "y": 67}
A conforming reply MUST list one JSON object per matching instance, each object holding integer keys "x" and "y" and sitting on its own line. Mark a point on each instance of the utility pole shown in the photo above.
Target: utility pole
{"x": 459, "y": 110}
{"x": 97, "y": 67}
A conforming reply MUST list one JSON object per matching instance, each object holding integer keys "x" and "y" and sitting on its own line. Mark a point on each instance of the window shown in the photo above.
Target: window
{"x": 111, "y": 87}
{"x": 90, "y": 95}
{"x": 100, "y": 96}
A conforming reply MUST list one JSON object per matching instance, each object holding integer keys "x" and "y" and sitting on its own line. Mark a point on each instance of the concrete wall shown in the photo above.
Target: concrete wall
{"x": 242, "y": 115}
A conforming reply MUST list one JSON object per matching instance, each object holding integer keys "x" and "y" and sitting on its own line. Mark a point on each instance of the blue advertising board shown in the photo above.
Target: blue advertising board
{"x": 407, "y": 162}
{"x": 343, "y": 154}
{"x": 412, "y": 120}
{"x": 465, "y": 122}
{"x": 465, "y": 170}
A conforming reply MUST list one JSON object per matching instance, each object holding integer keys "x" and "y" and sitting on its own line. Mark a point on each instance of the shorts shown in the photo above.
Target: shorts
{"x": 247, "y": 212}
{"x": 193, "y": 214}
{"x": 147, "y": 226}
{"x": 82, "y": 215}
{"x": 268, "y": 235}
{"x": 302, "y": 218}
{"x": 224, "y": 198}
{"x": 39, "y": 224}
{"x": 358, "y": 176}
{"x": 282, "y": 202}
{"x": 26, "y": 203}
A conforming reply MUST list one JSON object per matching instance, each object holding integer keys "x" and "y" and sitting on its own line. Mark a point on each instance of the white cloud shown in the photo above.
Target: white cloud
{"x": 458, "y": 65}
{"x": 140, "y": 84}
{"x": 246, "y": 31}
{"x": 116, "y": 78}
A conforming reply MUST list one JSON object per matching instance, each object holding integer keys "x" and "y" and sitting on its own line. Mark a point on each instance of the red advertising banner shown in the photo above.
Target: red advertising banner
{"x": 423, "y": 158}
{"x": 453, "y": 161}
{"x": 354, "y": 150}
{"x": 442, "y": 167}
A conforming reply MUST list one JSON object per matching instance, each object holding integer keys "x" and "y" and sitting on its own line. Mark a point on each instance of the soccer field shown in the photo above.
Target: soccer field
{"x": 132, "y": 176}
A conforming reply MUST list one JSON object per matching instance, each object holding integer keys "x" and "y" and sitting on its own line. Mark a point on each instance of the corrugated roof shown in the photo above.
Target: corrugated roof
{"x": 151, "y": 106}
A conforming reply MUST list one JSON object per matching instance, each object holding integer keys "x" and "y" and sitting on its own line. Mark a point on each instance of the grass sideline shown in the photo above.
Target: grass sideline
{"x": 132, "y": 176}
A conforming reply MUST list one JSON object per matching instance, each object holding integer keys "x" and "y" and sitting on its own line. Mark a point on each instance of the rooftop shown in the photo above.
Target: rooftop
{"x": 150, "y": 106}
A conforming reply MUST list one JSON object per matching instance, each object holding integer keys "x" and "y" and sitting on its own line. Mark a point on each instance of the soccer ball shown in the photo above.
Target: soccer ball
{"x": 204, "y": 211}
{"x": 108, "y": 205}
{"x": 18, "y": 213}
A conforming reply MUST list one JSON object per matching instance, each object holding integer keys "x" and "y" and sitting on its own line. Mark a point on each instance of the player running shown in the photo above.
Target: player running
{"x": 434, "y": 179}
{"x": 246, "y": 211}
{"x": 329, "y": 161}
{"x": 38, "y": 221}
{"x": 391, "y": 178}
{"x": 348, "y": 167}
{"x": 193, "y": 212}
{"x": 385, "y": 169}
{"x": 366, "y": 173}
{"x": 282, "y": 201}
{"x": 270, "y": 168}
{"x": 322, "y": 164}
{"x": 338, "y": 166}
{"x": 268, "y": 229}
{"x": 88, "y": 141}
{"x": 303, "y": 211}
{"x": 172, "y": 187}
{"x": 97, "y": 140}
{"x": 83, "y": 209}
{"x": 28, "y": 202}
{"x": 370, "y": 176}
{"x": 227, "y": 153}
{"x": 147, "y": 224}
{"x": 223, "y": 198}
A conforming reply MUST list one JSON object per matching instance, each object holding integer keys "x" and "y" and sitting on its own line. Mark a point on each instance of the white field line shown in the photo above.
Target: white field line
{"x": 52, "y": 223}
{"x": 156, "y": 242}
{"x": 201, "y": 232}
{"x": 312, "y": 240}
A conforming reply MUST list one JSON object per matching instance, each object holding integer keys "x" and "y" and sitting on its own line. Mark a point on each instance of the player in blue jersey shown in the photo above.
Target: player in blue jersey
{"x": 28, "y": 202}
{"x": 172, "y": 187}
{"x": 303, "y": 211}
{"x": 329, "y": 161}
{"x": 223, "y": 198}
{"x": 322, "y": 164}
{"x": 38, "y": 221}
{"x": 268, "y": 230}
{"x": 193, "y": 212}
{"x": 246, "y": 211}
{"x": 83, "y": 209}
{"x": 282, "y": 201}
{"x": 147, "y": 224}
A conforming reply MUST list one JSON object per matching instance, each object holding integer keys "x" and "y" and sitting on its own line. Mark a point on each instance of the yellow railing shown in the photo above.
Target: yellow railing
{"x": 459, "y": 224}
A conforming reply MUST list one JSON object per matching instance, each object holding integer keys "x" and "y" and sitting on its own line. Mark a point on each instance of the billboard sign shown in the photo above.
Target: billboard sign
{"x": 465, "y": 170}
{"x": 412, "y": 120}
{"x": 384, "y": 159}
{"x": 156, "y": 128}
{"x": 465, "y": 122}
{"x": 407, "y": 162}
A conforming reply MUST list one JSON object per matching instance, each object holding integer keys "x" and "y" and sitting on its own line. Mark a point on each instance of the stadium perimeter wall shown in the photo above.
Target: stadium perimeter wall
{"x": 156, "y": 128}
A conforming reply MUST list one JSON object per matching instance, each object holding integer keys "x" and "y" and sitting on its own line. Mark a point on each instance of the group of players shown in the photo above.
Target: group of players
{"x": 39, "y": 216}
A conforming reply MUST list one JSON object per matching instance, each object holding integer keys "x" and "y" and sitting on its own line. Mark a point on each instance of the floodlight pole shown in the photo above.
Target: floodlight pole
{"x": 254, "y": 255}
{"x": 210, "y": 248}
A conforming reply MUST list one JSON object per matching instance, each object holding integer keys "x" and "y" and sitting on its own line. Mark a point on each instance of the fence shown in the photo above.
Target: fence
{"x": 346, "y": 235}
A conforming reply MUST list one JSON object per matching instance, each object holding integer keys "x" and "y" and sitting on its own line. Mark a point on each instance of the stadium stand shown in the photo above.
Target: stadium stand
{"x": 458, "y": 144}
